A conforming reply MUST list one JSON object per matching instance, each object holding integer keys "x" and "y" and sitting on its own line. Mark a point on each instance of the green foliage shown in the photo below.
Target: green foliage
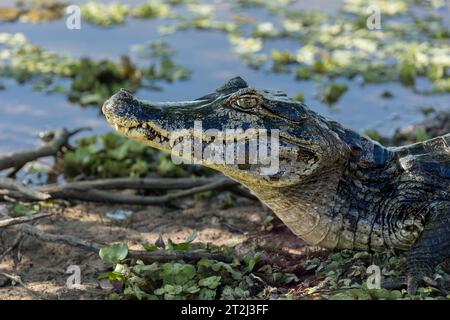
{"x": 21, "y": 209}
{"x": 442, "y": 86}
{"x": 374, "y": 135}
{"x": 299, "y": 97}
{"x": 344, "y": 276}
{"x": 204, "y": 279}
{"x": 252, "y": 260}
{"x": 114, "y": 253}
{"x": 332, "y": 92}
{"x": 183, "y": 246}
{"x": 91, "y": 82}
{"x": 151, "y": 9}
{"x": 407, "y": 71}
{"x": 111, "y": 155}
{"x": 94, "y": 82}
{"x": 303, "y": 73}
{"x": 421, "y": 134}
{"x": 337, "y": 45}
{"x": 365, "y": 294}
{"x": 33, "y": 11}
{"x": 104, "y": 14}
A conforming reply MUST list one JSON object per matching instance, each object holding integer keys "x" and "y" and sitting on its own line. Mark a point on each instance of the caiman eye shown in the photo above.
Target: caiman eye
{"x": 246, "y": 102}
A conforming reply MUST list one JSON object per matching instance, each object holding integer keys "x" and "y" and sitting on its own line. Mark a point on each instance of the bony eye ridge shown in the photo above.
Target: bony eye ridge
{"x": 247, "y": 102}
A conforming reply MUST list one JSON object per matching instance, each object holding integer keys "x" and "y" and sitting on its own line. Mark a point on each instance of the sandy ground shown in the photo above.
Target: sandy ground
{"x": 42, "y": 266}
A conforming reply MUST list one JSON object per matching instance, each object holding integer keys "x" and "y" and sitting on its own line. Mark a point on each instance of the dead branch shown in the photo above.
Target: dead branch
{"x": 94, "y": 195}
{"x": 161, "y": 256}
{"x": 60, "y": 138}
{"x": 145, "y": 256}
{"x": 14, "y": 221}
{"x": 10, "y": 184}
{"x": 132, "y": 183}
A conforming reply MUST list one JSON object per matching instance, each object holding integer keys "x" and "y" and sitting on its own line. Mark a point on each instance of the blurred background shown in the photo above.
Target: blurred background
{"x": 321, "y": 52}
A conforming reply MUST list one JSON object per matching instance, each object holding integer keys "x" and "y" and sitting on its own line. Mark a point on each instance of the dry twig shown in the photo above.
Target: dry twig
{"x": 15, "y": 221}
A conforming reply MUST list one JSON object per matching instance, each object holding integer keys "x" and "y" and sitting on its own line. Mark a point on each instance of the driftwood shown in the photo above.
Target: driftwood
{"x": 132, "y": 183}
{"x": 11, "y": 184}
{"x": 82, "y": 193}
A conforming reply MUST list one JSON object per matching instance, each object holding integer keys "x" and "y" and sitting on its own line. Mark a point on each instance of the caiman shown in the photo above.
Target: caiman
{"x": 334, "y": 188}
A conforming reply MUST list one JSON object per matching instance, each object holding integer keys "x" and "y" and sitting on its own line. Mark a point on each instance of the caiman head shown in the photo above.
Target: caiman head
{"x": 298, "y": 141}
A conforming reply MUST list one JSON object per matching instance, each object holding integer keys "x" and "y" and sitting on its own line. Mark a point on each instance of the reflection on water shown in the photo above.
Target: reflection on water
{"x": 23, "y": 112}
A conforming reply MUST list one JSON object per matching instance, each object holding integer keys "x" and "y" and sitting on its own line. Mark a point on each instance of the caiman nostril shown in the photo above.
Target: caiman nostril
{"x": 125, "y": 94}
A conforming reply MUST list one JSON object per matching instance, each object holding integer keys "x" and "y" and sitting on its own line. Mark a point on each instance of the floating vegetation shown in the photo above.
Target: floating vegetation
{"x": 299, "y": 96}
{"x": 390, "y": 8}
{"x": 151, "y": 9}
{"x": 374, "y": 135}
{"x": 104, "y": 14}
{"x": 341, "y": 45}
{"x": 332, "y": 92}
{"x": 9, "y": 14}
{"x": 33, "y": 11}
{"x": 245, "y": 46}
{"x": 338, "y": 45}
{"x": 94, "y": 82}
{"x": 441, "y": 86}
{"x": 91, "y": 82}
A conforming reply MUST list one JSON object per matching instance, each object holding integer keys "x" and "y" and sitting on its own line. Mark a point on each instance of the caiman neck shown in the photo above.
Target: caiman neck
{"x": 302, "y": 207}
{"x": 336, "y": 208}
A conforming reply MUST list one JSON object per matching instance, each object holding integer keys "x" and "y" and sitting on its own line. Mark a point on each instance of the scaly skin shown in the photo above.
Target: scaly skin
{"x": 334, "y": 188}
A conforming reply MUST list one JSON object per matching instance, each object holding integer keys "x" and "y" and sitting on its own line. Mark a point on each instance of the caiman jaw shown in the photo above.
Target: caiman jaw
{"x": 148, "y": 129}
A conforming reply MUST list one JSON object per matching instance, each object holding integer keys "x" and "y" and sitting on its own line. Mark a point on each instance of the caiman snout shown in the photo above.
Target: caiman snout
{"x": 112, "y": 105}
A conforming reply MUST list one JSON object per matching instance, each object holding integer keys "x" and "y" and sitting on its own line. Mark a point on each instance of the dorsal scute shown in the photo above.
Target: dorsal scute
{"x": 432, "y": 155}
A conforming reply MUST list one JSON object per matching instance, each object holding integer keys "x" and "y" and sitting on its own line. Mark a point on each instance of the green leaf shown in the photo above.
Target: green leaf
{"x": 24, "y": 209}
{"x": 210, "y": 282}
{"x": 111, "y": 276}
{"x": 207, "y": 294}
{"x": 114, "y": 253}
{"x": 149, "y": 247}
{"x": 252, "y": 260}
{"x": 183, "y": 246}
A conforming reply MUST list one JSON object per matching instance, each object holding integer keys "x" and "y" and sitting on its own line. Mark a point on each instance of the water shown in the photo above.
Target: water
{"x": 24, "y": 112}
